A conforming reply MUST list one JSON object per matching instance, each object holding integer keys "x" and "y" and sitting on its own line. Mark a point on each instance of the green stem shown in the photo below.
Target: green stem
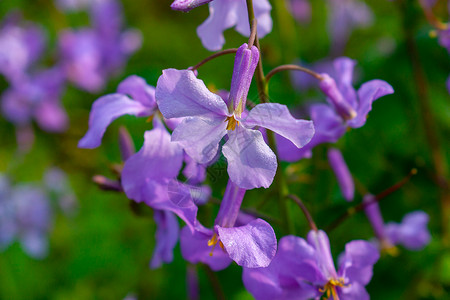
{"x": 280, "y": 180}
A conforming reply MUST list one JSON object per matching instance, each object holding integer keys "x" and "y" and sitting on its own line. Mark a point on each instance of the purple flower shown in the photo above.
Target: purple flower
{"x": 37, "y": 97}
{"x": 20, "y": 47}
{"x": 305, "y": 269}
{"x": 345, "y": 16}
{"x": 208, "y": 118}
{"x": 108, "y": 108}
{"x": 224, "y": 14}
{"x": 346, "y": 108}
{"x": 252, "y": 245}
{"x": 342, "y": 173}
{"x": 412, "y": 232}
{"x": 300, "y": 10}
{"x": 91, "y": 55}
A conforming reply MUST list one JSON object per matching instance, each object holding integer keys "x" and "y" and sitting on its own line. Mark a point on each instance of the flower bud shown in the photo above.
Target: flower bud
{"x": 187, "y": 5}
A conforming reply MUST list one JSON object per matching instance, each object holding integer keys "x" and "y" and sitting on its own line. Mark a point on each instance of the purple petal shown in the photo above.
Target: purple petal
{"x": 105, "y": 110}
{"x": 412, "y": 232}
{"x": 35, "y": 244}
{"x": 158, "y": 159}
{"x": 187, "y": 5}
{"x": 194, "y": 248}
{"x": 319, "y": 240}
{"x": 252, "y": 246}
{"x": 367, "y": 93}
{"x": 262, "y": 283}
{"x": 180, "y": 94}
{"x": 51, "y": 116}
{"x": 224, "y": 14}
{"x": 375, "y": 217}
{"x": 251, "y": 163}
{"x": 277, "y": 118}
{"x": 354, "y": 291}
{"x": 166, "y": 237}
{"x": 138, "y": 89}
{"x": 342, "y": 173}
{"x": 343, "y": 67}
{"x": 194, "y": 172}
{"x": 358, "y": 260}
{"x": 200, "y": 137}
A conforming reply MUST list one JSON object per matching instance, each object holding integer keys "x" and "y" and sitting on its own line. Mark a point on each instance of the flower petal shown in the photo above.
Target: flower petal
{"x": 342, "y": 173}
{"x": 105, "y": 110}
{"x": 180, "y": 94}
{"x": 166, "y": 237}
{"x": 200, "y": 137}
{"x": 277, "y": 118}
{"x": 138, "y": 89}
{"x": 252, "y": 246}
{"x": 367, "y": 93}
{"x": 158, "y": 159}
{"x": 251, "y": 163}
{"x": 412, "y": 232}
{"x": 194, "y": 248}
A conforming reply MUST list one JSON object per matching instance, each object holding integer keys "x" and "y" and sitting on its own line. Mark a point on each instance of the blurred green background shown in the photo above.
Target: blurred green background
{"x": 104, "y": 250}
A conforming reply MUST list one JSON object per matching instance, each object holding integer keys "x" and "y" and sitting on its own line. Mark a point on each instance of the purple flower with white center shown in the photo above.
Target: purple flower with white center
{"x": 346, "y": 108}
{"x": 305, "y": 269}
{"x": 224, "y": 14}
{"x": 208, "y": 118}
{"x": 300, "y": 10}
{"x": 37, "y": 97}
{"x": 345, "y": 16}
{"x": 20, "y": 47}
{"x": 252, "y": 245}
{"x": 342, "y": 173}
{"x": 412, "y": 232}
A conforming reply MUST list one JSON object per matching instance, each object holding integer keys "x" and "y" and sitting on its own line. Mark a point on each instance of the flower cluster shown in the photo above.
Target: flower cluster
{"x": 194, "y": 127}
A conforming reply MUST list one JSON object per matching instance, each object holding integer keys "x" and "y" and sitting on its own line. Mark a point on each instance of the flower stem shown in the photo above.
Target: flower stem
{"x": 292, "y": 68}
{"x": 280, "y": 181}
{"x": 215, "y": 55}
{"x": 355, "y": 209}
{"x": 304, "y": 210}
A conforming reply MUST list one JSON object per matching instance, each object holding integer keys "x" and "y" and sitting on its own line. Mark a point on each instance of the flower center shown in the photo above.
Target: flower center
{"x": 330, "y": 288}
{"x": 232, "y": 122}
{"x": 213, "y": 242}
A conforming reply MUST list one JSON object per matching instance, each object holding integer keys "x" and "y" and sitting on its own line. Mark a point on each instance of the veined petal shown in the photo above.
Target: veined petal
{"x": 139, "y": 90}
{"x": 200, "y": 137}
{"x": 158, "y": 159}
{"x": 105, "y": 110}
{"x": 367, "y": 93}
{"x": 251, "y": 163}
{"x": 252, "y": 246}
{"x": 180, "y": 94}
{"x": 277, "y": 118}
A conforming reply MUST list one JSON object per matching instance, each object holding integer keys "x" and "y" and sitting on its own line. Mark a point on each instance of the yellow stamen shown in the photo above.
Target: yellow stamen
{"x": 212, "y": 242}
{"x": 232, "y": 122}
{"x": 330, "y": 288}
{"x": 149, "y": 119}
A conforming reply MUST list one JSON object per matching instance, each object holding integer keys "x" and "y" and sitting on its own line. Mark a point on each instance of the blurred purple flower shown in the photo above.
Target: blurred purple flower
{"x": 167, "y": 234}
{"x": 412, "y": 232}
{"x": 224, "y": 14}
{"x": 20, "y": 46}
{"x": 208, "y": 118}
{"x": 305, "y": 269}
{"x": 300, "y": 10}
{"x": 344, "y": 17}
{"x": 37, "y": 97}
{"x": 346, "y": 108}
{"x": 91, "y": 55}
{"x": 252, "y": 245}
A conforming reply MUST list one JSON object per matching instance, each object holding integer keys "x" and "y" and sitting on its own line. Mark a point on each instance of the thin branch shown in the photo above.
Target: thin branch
{"x": 292, "y": 68}
{"x": 217, "y": 54}
{"x": 304, "y": 210}
{"x": 251, "y": 39}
